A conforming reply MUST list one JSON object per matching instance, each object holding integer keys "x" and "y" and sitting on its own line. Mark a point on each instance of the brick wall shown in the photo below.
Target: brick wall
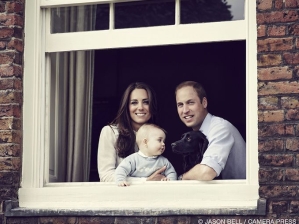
{"x": 278, "y": 102}
{"x": 278, "y": 91}
{"x": 11, "y": 62}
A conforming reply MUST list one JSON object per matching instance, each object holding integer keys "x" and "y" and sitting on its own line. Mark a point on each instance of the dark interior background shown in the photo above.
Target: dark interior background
{"x": 219, "y": 66}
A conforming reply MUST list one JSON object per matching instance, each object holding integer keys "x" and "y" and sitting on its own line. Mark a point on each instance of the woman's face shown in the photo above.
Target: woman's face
{"x": 139, "y": 108}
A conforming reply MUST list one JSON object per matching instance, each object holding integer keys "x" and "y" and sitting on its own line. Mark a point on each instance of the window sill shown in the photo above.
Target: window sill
{"x": 12, "y": 210}
{"x": 237, "y": 197}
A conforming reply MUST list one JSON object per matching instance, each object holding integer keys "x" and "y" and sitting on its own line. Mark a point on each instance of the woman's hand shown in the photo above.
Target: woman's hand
{"x": 157, "y": 176}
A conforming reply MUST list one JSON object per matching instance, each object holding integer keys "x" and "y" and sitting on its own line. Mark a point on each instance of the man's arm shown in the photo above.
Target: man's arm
{"x": 215, "y": 157}
{"x": 200, "y": 172}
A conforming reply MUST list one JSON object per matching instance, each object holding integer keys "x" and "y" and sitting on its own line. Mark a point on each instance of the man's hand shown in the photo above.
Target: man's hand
{"x": 157, "y": 176}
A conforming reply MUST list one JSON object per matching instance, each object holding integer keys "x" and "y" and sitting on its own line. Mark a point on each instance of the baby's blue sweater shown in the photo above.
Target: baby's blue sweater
{"x": 138, "y": 165}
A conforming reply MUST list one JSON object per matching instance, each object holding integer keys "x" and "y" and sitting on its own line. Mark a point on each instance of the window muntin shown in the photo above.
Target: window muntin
{"x": 36, "y": 193}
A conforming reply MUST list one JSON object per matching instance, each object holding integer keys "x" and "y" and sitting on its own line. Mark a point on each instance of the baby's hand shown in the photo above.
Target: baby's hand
{"x": 123, "y": 184}
{"x": 165, "y": 179}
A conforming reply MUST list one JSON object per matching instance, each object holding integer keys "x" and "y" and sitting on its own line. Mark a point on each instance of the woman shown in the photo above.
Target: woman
{"x": 117, "y": 140}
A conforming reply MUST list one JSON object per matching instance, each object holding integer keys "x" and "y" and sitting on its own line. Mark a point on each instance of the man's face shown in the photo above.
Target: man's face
{"x": 190, "y": 109}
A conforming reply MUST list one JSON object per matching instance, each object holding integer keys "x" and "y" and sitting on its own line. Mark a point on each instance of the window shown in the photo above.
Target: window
{"x": 46, "y": 49}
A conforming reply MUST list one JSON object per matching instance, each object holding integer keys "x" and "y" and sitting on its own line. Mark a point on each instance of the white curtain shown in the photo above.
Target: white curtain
{"x": 71, "y": 101}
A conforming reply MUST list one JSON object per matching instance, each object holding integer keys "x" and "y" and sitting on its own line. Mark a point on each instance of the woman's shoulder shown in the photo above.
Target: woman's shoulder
{"x": 109, "y": 129}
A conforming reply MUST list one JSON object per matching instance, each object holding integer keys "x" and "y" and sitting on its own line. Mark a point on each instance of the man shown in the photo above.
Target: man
{"x": 226, "y": 152}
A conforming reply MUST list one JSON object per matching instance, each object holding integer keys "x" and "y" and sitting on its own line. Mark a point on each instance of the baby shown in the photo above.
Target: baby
{"x": 150, "y": 139}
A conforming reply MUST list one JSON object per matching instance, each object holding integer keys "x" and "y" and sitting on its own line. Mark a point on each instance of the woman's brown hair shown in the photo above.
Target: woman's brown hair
{"x": 125, "y": 143}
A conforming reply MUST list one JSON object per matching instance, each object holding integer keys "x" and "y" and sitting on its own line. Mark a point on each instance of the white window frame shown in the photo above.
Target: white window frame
{"x": 188, "y": 197}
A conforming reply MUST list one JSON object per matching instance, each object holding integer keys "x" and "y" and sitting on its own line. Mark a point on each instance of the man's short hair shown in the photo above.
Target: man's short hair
{"x": 201, "y": 93}
{"x": 143, "y": 131}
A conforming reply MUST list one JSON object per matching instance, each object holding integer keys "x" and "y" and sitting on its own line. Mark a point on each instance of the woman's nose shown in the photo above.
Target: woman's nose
{"x": 140, "y": 106}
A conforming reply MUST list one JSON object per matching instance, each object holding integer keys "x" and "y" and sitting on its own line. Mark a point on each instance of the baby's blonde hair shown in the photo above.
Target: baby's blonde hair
{"x": 143, "y": 132}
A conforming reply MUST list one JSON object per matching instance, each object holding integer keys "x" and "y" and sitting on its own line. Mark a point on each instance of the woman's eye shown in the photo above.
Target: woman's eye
{"x": 134, "y": 103}
{"x": 146, "y": 102}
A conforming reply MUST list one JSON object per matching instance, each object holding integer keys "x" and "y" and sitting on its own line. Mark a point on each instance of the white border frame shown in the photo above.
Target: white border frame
{"x": 186, "y": 196}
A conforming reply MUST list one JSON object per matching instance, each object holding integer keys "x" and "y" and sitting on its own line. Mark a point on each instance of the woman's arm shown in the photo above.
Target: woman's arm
{"x": 107, "y": 156}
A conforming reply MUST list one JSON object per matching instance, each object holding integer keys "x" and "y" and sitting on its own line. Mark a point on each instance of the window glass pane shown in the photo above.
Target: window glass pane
{"x": 144, "y": 14}
{"x": 198, "y": 11}
{"x": 102, "y": 17}
{"x": 79, "y": 18}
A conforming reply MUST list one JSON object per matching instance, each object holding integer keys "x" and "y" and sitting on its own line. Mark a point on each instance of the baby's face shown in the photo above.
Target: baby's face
{"x": 156, "y": 142}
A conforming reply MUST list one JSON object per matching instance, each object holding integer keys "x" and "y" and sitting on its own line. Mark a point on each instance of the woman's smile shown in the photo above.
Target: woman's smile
{"x": 140, "y": 114}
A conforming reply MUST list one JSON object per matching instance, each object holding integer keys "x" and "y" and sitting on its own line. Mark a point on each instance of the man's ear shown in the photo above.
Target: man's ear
{"x": 205, "y": 102}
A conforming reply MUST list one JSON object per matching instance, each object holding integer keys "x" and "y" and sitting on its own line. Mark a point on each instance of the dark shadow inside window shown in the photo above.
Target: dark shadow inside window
{"x": 219, "y": 66}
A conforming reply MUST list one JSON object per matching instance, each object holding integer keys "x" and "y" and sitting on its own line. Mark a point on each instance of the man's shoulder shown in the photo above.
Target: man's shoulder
{"x": 219, "y": 125}
{"x": 219, "y": 121}
{"x": 212, "y": 121}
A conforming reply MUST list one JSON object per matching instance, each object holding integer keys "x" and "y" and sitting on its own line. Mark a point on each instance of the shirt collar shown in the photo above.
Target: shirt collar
{"x": 142, "y": 154}
{"x": 206, "y": 123}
